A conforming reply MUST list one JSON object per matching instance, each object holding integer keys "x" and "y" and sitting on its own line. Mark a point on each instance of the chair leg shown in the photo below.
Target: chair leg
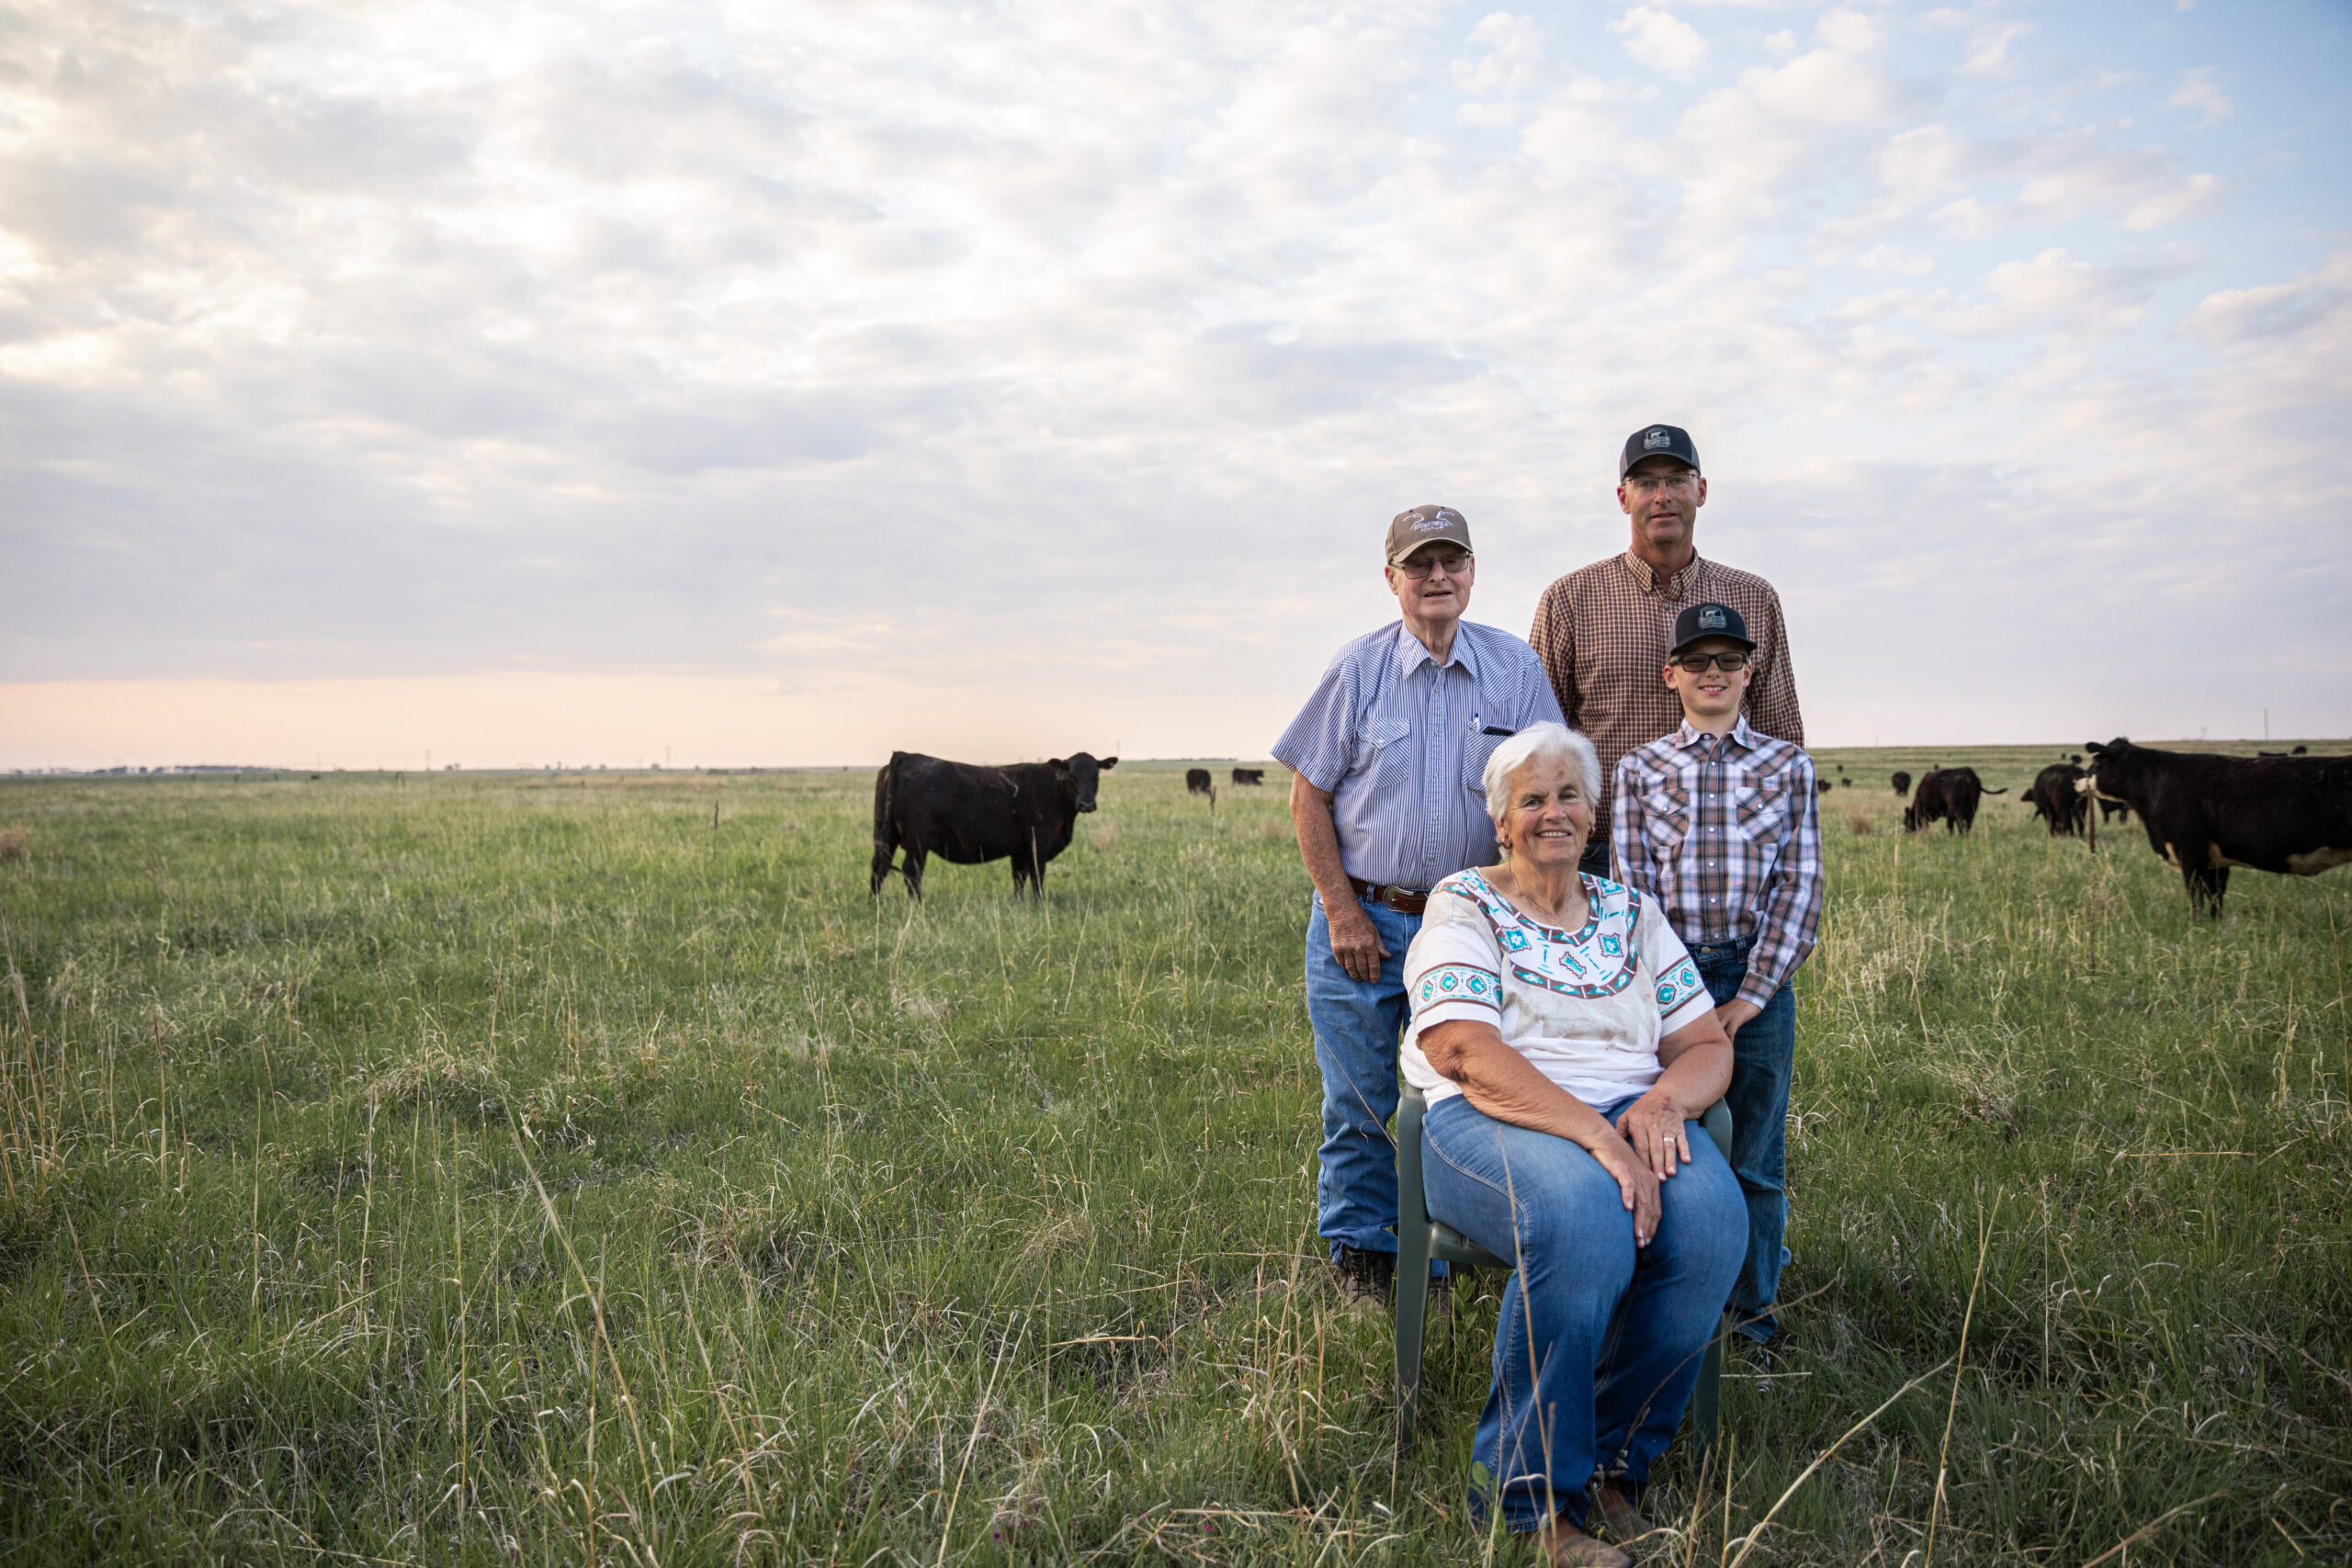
{"x": 1412, "y": 1324}
{"x": 1705, "y": 1400}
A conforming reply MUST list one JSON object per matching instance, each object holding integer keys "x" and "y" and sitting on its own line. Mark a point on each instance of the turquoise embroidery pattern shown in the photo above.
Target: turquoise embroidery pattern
{"x": 1673, "y": 987}
{"x": 1461, "y": 983}
{"x": 1512, "y": 930}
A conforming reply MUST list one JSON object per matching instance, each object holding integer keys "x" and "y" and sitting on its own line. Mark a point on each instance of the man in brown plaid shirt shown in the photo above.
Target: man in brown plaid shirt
{"x": 1602, "y": 631}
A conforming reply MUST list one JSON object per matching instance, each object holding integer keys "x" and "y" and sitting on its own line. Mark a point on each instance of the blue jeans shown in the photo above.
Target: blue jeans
{"x": 1357, "y": 1028}
{"x": 1599, "y": 1342}
{"x": 1763, "y": 1056}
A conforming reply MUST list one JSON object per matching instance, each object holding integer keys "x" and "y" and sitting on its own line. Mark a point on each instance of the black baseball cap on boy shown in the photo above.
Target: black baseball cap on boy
{"x": 1709, "y": 619}
{"x": 1657, "y": 440}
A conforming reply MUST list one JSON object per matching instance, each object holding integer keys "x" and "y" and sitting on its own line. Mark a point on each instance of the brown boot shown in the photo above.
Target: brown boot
{"x": 1564, "y": 1546}
{"x": 1618, "y": 1515}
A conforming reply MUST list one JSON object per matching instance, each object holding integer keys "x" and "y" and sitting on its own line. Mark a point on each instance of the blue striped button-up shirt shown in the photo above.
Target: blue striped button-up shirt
{"x": 1401, "y": 742}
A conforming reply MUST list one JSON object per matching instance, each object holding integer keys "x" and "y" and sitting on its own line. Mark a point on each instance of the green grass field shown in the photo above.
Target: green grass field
{"x": 535, "y": 1168}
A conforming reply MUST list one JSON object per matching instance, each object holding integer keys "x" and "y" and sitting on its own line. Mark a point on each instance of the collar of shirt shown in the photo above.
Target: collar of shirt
{"x": 1411, "y": 655}
{"x": 1647, "y": 579}
{"x": 1690, "y": 737}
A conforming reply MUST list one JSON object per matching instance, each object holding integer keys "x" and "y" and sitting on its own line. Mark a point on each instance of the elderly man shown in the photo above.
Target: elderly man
{"x": 1602, "y": 631}
{"x": 1390, "y": 756}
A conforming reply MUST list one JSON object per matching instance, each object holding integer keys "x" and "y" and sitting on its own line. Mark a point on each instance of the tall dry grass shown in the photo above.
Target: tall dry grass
{"x": 495, "y": 1170}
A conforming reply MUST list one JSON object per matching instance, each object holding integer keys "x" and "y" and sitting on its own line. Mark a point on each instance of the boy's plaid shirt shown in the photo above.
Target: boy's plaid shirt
{"x": 1726, "y": 835}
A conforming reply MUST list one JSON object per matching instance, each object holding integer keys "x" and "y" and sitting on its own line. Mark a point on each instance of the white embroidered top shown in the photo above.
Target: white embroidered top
{"x": 1587, "y": 1007}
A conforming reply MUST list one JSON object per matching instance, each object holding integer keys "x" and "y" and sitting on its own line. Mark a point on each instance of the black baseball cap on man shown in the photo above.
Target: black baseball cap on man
{"x": 1705, "y": 620}
{"x": 1657, "y": 440}
{"x": 1409, "y": 531}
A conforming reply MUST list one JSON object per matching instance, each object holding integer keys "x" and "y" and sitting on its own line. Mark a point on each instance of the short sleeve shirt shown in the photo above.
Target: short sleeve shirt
{"x": 1587, "y": 1007}
{"x": 1402, "y": 741}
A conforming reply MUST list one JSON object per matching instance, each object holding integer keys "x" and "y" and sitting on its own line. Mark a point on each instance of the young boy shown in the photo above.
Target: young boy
{"x": 1718, "y": 823}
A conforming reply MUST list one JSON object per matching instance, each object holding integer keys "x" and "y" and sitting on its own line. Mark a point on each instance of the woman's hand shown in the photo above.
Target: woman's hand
{"x": 1636, "y": 1181}
{"x": 1658, "y": 1132}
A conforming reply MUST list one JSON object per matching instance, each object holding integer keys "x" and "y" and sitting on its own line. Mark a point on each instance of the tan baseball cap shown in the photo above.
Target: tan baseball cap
{"x": 1409, "y": 531}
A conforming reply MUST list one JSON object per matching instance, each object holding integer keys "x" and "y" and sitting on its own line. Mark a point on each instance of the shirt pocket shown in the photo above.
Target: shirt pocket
{"x": 1758, "y": 813}
{"x": 1475, "y": 754}
{"x": 1666, "y": 813}
{"x": 1385, "y": 759}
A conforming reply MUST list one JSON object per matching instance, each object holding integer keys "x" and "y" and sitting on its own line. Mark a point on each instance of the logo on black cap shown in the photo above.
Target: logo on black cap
{"x": 1711, "y": 617}
{"x": 1660, "y": 436}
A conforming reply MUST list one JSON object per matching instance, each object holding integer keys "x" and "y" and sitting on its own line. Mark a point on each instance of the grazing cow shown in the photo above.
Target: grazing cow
{"x": 2057, "y": 801}
{"x": 1845, "y": 783}
{"x": 1901, "y": 783}
{"x": 1949, "y": 795}
{"x": 1249, "y": 775}
{"x": 2298, "y": 752}
{"x": 2205, "y": 813}
{"x": 1197, "y": 782}
{"x": 1822, "y": 786}
{"x": 969, "y": 815}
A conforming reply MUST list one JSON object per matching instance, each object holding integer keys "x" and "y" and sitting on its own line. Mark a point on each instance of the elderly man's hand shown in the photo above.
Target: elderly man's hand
{"x": 1355, "y": 941}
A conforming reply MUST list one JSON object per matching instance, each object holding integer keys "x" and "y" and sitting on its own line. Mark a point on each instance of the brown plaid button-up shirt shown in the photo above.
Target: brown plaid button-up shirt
{"x": 1602, "y": 632}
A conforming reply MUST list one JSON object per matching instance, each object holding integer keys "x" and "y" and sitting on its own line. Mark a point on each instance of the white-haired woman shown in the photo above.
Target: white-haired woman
{"x": 1564, "y": 1040}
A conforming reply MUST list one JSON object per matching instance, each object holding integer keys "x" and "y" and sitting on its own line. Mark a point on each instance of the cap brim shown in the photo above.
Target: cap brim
{"x": 1399, "y": 558}
{"x": 1676, "y": 651}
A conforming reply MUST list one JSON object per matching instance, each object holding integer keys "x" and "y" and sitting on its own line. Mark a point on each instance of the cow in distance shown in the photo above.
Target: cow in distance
{"x": 1949, "y": 795}
{"x": 2057, "y": 801}
{"x": 969, "y": 815}
{"x": 1902, "y": 783}
{"x": 1249, "y": 775}
{"x": 2205, "y": 813}
{"x": 1198, "y": 782}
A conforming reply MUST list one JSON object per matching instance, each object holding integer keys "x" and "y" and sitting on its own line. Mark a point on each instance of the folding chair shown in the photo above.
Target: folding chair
{"x": 1420, "y": 1239}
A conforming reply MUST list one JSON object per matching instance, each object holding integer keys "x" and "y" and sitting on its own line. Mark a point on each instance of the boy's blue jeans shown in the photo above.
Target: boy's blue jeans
{"x": 1763, "y": 1056}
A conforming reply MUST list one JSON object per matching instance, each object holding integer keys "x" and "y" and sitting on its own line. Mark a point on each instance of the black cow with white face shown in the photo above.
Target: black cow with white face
{"x": 969, "y": 815}
{"x": 2205, "y": 813}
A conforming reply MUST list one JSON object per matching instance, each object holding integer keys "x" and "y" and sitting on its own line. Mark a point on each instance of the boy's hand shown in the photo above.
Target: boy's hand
{"x": 1734, "y": 1013}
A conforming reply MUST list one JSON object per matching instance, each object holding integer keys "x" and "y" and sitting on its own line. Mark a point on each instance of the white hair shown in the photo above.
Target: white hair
{"x": 1545, "y": 742}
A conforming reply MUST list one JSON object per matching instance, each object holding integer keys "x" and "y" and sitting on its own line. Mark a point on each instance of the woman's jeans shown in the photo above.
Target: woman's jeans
{"x": 1763, "y": 1056}
{"x": 1600, "y": 1343}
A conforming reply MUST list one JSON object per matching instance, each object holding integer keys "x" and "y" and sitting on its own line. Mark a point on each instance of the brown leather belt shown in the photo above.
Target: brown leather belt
{"x": 1404, "y": 900}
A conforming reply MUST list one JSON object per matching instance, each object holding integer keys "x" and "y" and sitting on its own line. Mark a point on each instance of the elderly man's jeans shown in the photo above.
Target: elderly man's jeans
{"x": 1598, "y": 1343}
{"x": 1762, "y": 1055}
{"x": 1357, "y": 1028}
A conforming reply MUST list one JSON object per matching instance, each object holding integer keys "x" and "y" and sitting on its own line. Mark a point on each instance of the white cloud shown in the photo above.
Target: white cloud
{"x": 1662, "y": 41}
{"x": 389, "y": 341}
{"x": 2197, "y": 90}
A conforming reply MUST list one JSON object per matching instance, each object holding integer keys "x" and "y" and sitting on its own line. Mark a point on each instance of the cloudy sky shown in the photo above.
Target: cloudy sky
{"x": 783, "y": 383}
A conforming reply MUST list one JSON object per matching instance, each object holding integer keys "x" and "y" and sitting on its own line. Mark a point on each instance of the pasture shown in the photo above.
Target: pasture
{"x": 543, "y": 1168}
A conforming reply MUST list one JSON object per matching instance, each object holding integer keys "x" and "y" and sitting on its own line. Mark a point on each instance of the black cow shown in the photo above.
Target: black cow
{"x": 2205, "y": 813}
{"x": 1249, "y": 775}
{"x": 2056, "y": 799}
{"x": 2300, "y": 750}
{"x": 1822, "y": 786}
{"x": 1901, "y": 783}
{"x": 1197, "y": 782}
{"x": 969, "y": 815}
{"x": 1949, "y": 795}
